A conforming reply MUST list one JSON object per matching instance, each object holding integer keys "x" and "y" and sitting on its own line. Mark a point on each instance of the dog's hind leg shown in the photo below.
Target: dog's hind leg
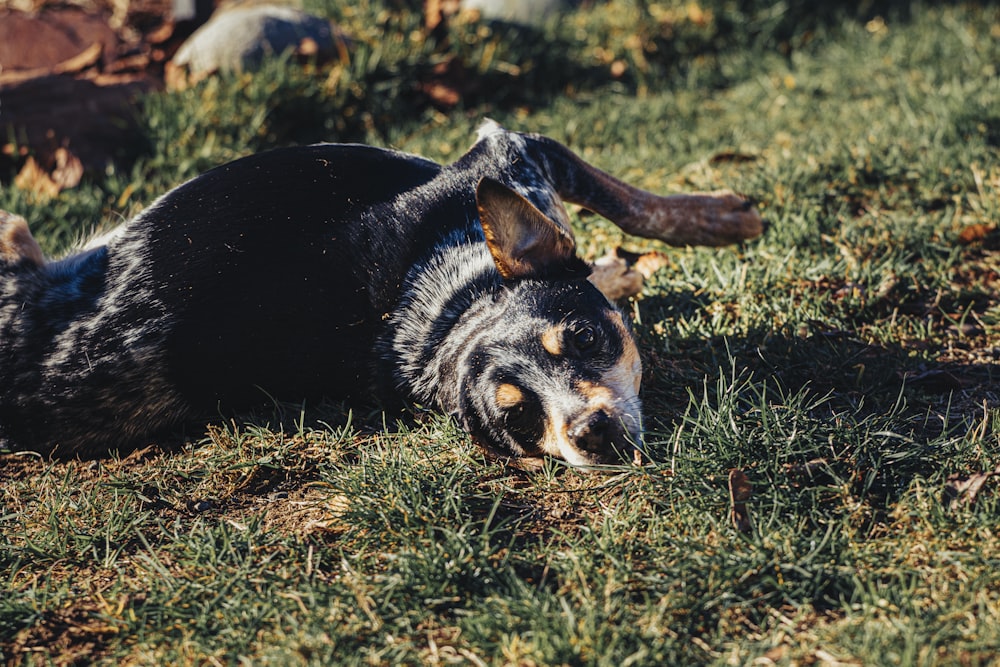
{"x": 707, "y": 219}
{"x": 17, "y": 245}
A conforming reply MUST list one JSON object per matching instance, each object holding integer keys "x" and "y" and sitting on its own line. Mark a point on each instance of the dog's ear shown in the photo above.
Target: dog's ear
{"x": 523, "y": 241}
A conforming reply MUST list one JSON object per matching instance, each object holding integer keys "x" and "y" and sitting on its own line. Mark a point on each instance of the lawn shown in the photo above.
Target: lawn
{"x": 838, "y": 372}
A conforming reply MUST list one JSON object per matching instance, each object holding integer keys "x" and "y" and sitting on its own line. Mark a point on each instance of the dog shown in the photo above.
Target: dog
{"x": 345, "y": 271}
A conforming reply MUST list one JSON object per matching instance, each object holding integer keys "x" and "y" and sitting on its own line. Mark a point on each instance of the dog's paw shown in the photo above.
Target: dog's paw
{"x": 722, "y": 218}
{"x": 17, "y": 245}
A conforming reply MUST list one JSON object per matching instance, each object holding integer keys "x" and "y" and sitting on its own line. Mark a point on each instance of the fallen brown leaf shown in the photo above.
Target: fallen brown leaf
{"x": 68, "y": 169}
{"x": 621, "y": 273}
{"x": 447, "y": 83}
{"x": 32, "y": 178}
{"x": 66, "y": 173}
{"x": 740, "y": 491}
{"x": 963, "y": 489}
{"x": 975, "y": 233}
{"x": 731, "y": 156}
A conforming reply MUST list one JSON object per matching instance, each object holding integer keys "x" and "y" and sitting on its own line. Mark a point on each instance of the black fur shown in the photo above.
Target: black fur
{"x": 327, "y": 270}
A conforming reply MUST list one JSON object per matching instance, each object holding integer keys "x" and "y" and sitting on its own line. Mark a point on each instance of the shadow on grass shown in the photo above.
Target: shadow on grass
{"x": 875, "y": 414}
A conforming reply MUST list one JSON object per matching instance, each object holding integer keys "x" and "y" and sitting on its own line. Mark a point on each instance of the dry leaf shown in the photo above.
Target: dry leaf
{"x": 637, "y": 458}
{"x": 975, "y": 233}
{"x": 68, "y": 169}
{"x": 731, "y": 156}
{"x": 33, "y": 178}
{"x": 66, "y": 173}
{"x": 740, "y": 490}
{"x": 442, "y": 95}
{"x": 620, "y": 273}
{"x": 961, "y": 489}
{"x": 446, "y": 83}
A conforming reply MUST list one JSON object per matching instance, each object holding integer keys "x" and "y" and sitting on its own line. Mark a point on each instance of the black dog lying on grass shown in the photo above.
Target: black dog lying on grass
{"x": 343, "y": 271}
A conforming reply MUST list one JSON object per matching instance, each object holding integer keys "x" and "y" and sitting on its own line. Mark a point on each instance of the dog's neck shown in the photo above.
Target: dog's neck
{"x": 443, "y": 302}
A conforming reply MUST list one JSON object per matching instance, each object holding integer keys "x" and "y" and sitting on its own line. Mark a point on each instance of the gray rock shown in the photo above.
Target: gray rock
{"x": 528, "y": 12}
{"x": 241, "y": 38}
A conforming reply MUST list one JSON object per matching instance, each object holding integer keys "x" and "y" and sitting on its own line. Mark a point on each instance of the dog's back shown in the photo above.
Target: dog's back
{"x": 279, "y": 272}
{"x": 267, "y": 274}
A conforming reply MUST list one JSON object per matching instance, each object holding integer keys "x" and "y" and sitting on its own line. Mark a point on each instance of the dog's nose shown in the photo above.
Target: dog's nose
{"x": 592, "y": 432}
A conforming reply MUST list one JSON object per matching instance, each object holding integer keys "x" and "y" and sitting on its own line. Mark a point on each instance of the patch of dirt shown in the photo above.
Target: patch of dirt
{"x": 73, "y": 636}
{"x": 19, "y": 466}
{"x": 76, "y": 634}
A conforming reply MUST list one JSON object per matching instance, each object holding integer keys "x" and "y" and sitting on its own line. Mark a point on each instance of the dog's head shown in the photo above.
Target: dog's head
{"x": 558, "y": 374}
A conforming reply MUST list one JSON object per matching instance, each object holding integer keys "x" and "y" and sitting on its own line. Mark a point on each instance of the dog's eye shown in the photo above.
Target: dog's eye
{"x": 584, "y": 338}
{"x": 522, "y": 422}
{"x": 517, "y": 415}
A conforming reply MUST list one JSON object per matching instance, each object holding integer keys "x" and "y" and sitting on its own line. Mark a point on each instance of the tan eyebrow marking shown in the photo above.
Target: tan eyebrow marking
{"x": 508, "y": 396}
{"x": 552, "y": 339}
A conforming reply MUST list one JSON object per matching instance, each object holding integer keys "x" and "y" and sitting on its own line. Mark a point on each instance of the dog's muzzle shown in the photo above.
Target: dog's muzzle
{"x": 604, "y": 437}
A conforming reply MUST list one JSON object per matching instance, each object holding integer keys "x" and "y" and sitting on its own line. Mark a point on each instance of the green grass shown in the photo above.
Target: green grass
{"x": 845, "y": 362}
